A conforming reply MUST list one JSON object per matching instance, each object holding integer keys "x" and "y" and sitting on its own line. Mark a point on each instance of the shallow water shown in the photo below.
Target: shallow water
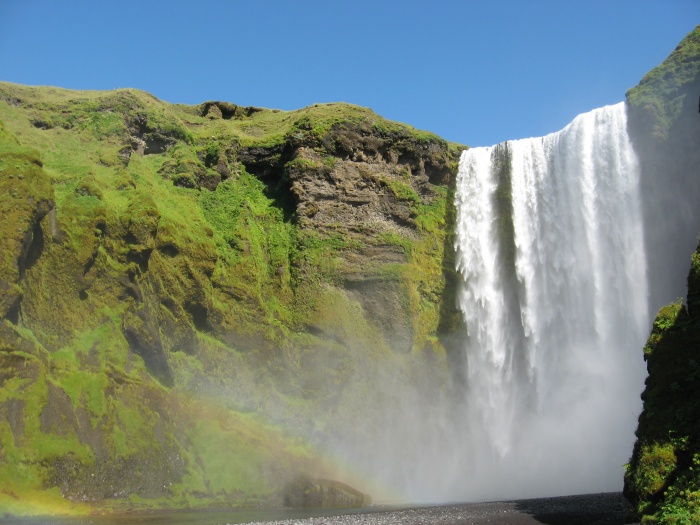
{"x": 192, "y": 517}
{"x": 589, "y": 509}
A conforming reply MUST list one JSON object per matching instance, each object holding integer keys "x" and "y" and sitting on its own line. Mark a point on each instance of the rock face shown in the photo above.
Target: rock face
{"x": 664, "y": 125}
{"x": 662, "y": 481}
{"x": 27, "y": 199}
{"x": 308, "y": 493}
{"x": 184, "y": 289}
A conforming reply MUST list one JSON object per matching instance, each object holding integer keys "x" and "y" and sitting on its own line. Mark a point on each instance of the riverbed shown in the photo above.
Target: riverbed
{"x": 589, "y": 509}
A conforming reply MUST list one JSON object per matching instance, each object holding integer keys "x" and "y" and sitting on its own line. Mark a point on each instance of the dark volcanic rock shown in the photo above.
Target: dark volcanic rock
{"x": 587, "y": 509}
{"x": 307, "y": 493}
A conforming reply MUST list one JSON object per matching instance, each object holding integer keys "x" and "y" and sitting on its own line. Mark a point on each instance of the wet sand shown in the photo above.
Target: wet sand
{"x": 590, "y": 509}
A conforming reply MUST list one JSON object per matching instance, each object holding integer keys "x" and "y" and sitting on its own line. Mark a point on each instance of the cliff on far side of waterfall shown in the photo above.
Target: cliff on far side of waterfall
{"x": 663, "y": 477}
{"x": 668, "y": 91}
{"x": 664, "y": 126}
{"x": 186, "y": 290}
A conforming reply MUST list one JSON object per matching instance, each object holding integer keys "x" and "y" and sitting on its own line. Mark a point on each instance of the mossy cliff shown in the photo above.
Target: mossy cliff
{"x": 664, "y": 125}
{"x": 187, "y": 293}
{"x": 663, "y": 477}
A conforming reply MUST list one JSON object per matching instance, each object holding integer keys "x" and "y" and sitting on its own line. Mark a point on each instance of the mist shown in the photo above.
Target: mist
{"x": 552, "y": 245}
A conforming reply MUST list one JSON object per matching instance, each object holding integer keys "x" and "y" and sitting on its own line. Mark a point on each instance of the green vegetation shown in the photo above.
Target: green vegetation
{"x": 663, "y": 477}
{"x": 169, "y": 324}
{"x": 662, "y": 480}
{"x": 669, "y": 89}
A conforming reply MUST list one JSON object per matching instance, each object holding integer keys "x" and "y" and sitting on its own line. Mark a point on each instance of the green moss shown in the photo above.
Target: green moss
{"x": 663, "y": 478}
{"x": 86, "y": 389}
{"x": 656, "y": 464}
{"x": 229, "y": 464}
{"x": 662, "y": 92}
{"x": 20, "y": 499}
{"x": 303, "y": 164}
{"x": 105, "y": 123}
{"x": 254, "y": 245}
{"x": 229, "y": 453}
{"x": 665, "y": 320}
{"x": 431, "y": 217}
{"x": 318, "y": 257}
{"x": 27, "y": 194}
{"x": 395, "y": 239}
{"x": 403, "y": 191}
{"x": 7, "y": 140}
{"x": 37, "y": 446}
{"x": 186, "y": 368}
{"x": 246, "y": 224}
{"x": 245, "y": 304}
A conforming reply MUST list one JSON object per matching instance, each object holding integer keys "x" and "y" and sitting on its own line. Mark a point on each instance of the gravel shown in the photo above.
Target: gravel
{"x": 590, "y": 509}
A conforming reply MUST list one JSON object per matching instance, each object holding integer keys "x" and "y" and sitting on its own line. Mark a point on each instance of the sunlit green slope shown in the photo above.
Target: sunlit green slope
{"x": 187, "y": 293}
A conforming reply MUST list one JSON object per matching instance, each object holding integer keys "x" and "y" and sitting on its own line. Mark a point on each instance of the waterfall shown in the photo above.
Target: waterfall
{"x": 550, "y": 246}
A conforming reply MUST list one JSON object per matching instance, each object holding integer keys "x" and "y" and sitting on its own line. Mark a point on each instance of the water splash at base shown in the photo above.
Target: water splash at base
{"x": 554, "y": 295}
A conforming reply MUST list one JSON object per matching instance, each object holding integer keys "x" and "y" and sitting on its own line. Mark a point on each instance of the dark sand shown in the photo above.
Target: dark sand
{"x": 590, "y": 509}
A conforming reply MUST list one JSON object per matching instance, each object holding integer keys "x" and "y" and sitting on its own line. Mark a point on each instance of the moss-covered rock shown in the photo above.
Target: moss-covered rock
{"x": 186, "y": 290}
{"x": 664, "y": 125}
{"x": 27, "y": 199}
{"x": 308, "y": 493}
{"x": 663, "y": 477}
{"x": 667, "y": 91}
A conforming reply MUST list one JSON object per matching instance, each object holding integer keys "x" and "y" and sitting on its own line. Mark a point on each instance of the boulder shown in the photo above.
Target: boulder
{"x": 306, "y": 493}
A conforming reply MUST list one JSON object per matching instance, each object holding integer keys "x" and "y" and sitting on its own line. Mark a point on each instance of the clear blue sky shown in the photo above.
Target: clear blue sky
{"x": 475, "y": 72}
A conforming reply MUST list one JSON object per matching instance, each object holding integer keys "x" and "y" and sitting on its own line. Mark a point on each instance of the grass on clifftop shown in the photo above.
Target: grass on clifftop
{"x": 662, "y": 91}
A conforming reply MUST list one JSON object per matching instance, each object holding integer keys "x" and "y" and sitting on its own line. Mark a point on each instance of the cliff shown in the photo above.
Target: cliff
{"x": 664, "y": 125}
{"x": 662, "y": 480}
{"x": 663, "y": 476}
{"x": 189, "y": 292}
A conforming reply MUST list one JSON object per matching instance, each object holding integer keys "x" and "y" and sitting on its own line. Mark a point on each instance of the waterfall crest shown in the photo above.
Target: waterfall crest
{"x": 550, "y": 247}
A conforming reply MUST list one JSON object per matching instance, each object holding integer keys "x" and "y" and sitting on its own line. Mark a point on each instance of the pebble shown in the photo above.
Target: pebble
{"x": 589, "y": 509}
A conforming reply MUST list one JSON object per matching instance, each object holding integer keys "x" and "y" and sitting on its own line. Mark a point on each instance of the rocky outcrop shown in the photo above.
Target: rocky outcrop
{"x": 309, "y": 493}
{"x": 370, "y": 185}
{"x": 226, "y": 110}
{"x": 663, "y": 476}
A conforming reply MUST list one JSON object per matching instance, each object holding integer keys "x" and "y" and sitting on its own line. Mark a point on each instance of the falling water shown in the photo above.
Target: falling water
{"x": 550, "y": 246}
